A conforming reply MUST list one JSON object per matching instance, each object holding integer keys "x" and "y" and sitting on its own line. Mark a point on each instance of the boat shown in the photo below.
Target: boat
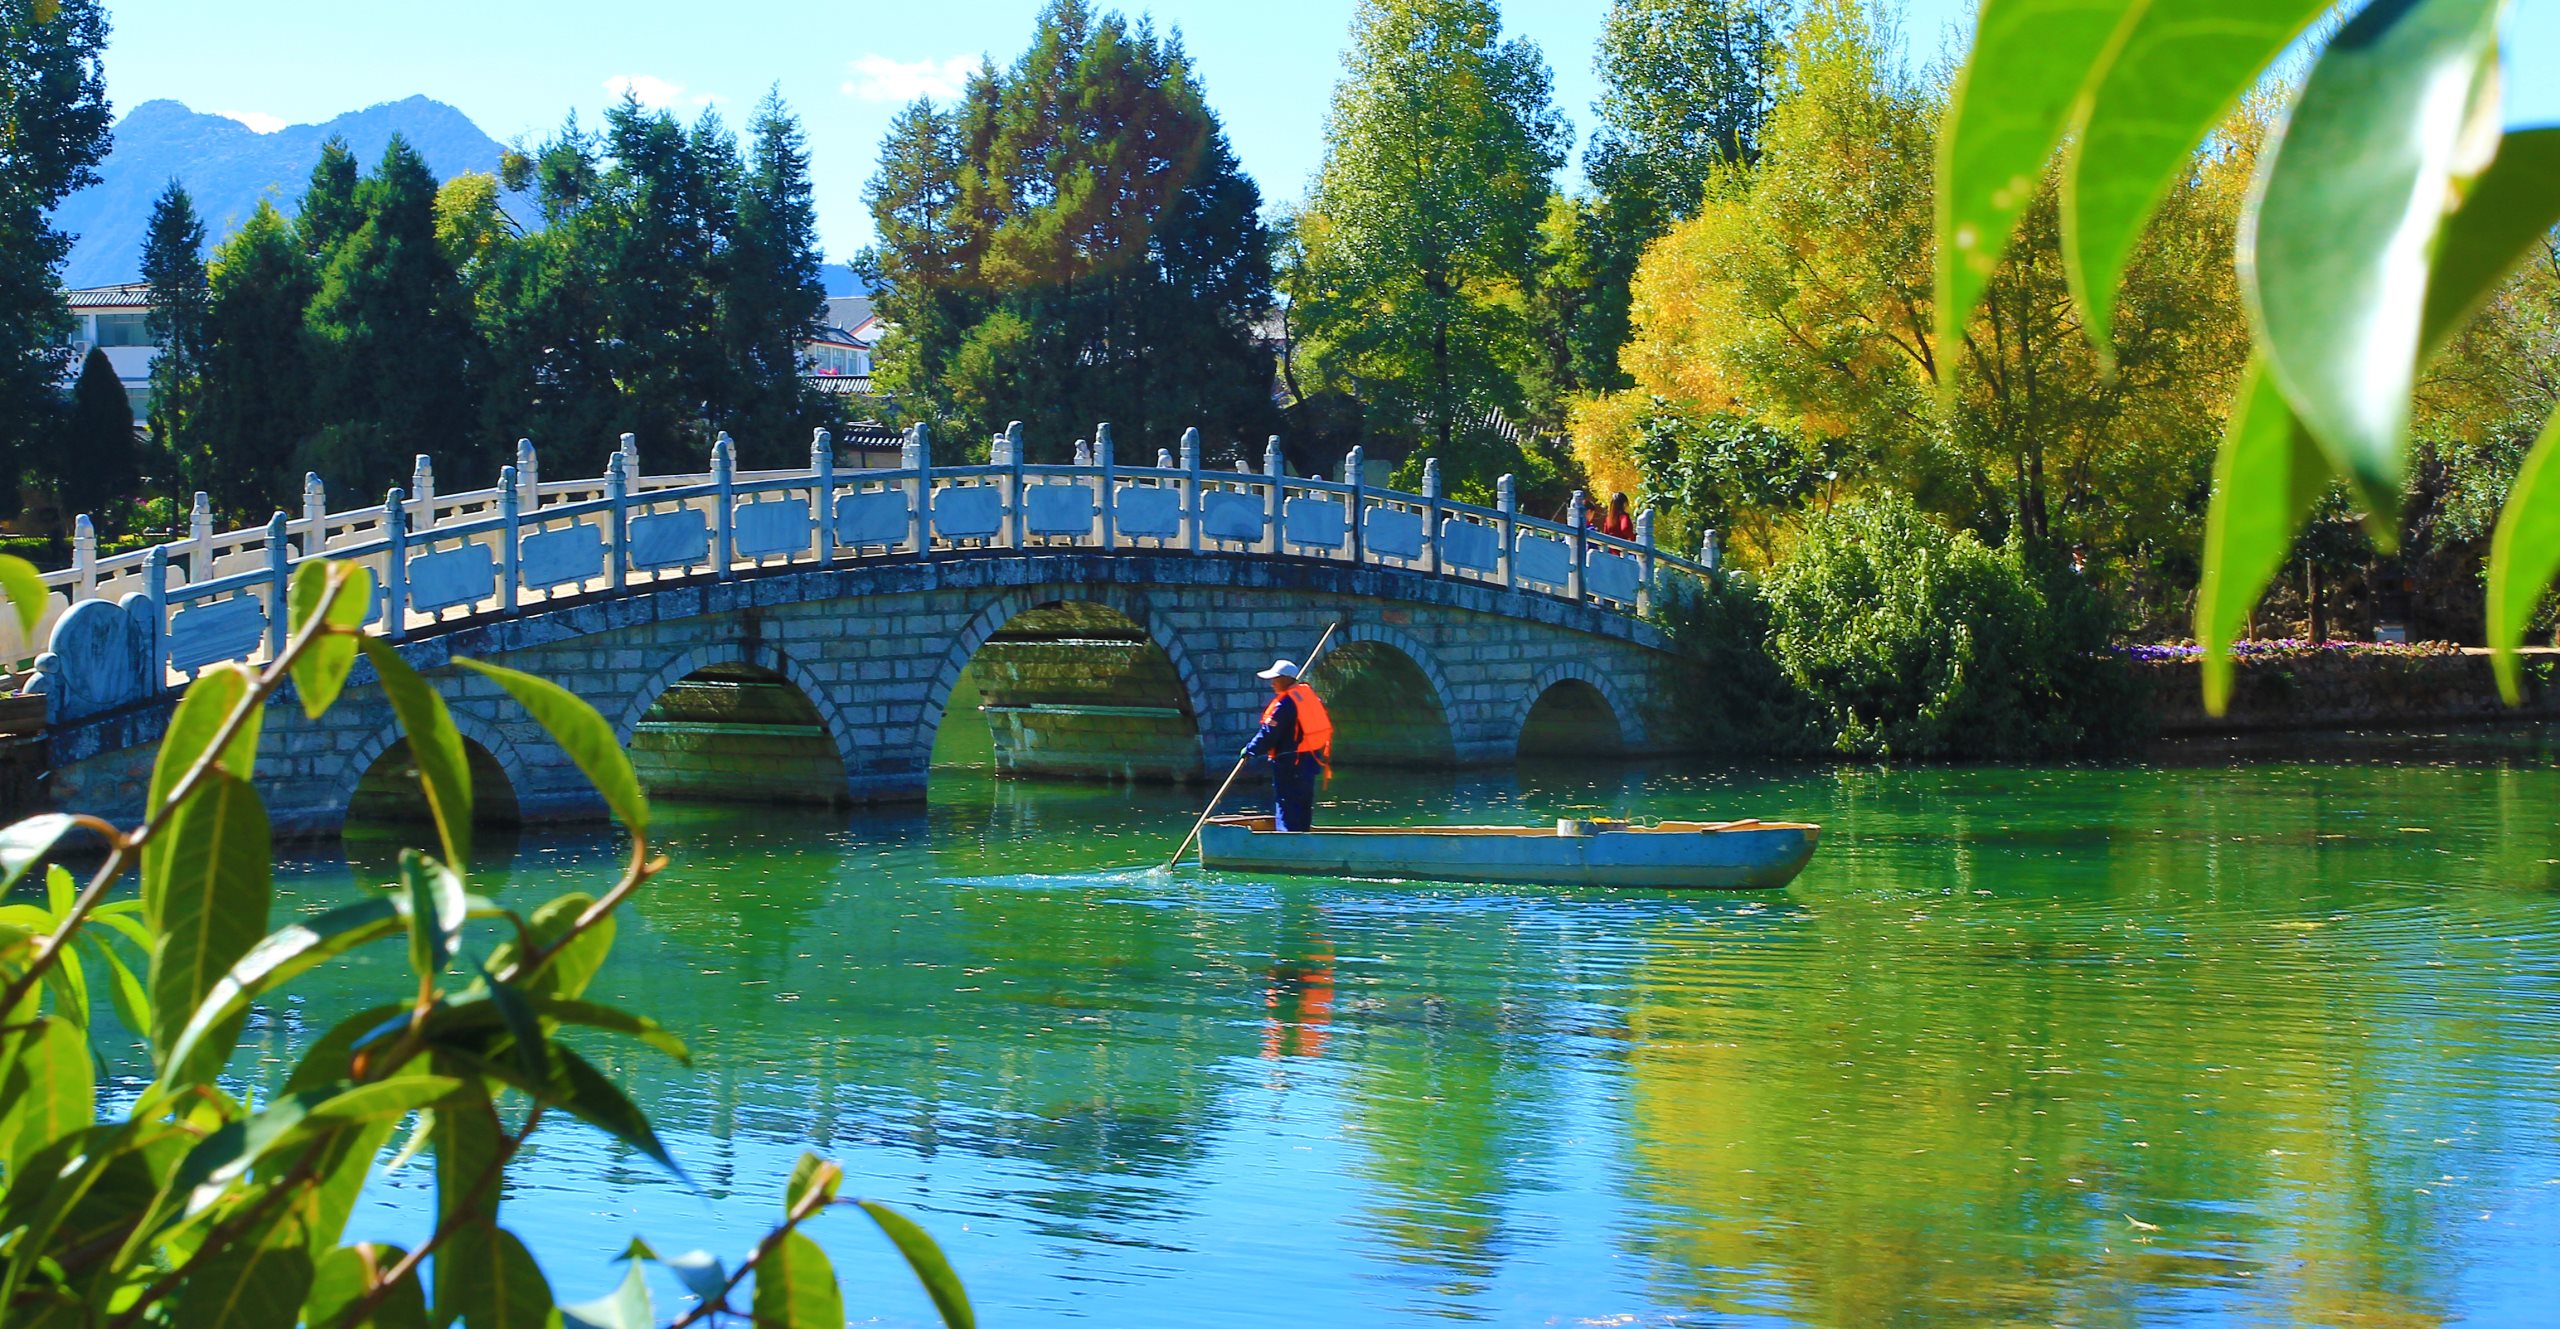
{"x": 1694, "y": 855}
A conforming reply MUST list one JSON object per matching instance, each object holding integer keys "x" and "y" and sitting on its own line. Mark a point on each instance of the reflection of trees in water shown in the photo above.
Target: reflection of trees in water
{"x": 1958, "y": 1105}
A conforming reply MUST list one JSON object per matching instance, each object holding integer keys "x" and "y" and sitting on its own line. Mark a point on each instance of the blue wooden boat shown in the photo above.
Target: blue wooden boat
{"x": 1720, "y": 855}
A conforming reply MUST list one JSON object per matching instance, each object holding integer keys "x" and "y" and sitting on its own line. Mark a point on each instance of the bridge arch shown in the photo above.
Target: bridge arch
{"x": 1568, "y": 709}
{"x": 487, "y": 749}
{"x": 805, "y": 699}
{"x": 1372, "y": 679}
{"x": 1010, "y": 607}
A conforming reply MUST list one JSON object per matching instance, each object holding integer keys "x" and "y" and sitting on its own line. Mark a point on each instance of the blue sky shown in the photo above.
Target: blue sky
{"x": 518, "y": 66}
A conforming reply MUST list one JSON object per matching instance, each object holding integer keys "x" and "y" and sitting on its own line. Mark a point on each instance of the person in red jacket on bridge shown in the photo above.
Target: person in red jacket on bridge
{"x": 1296, "y": 737}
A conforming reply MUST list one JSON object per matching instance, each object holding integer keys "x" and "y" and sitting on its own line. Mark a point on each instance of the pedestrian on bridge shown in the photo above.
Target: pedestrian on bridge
{"x": 1297, "y": 739}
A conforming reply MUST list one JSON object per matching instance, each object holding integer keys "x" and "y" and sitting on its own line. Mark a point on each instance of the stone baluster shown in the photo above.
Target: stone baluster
{"x": 155, "y": 588}
{"x": 1272, "y": 472}
{"x": 1644, "y": 556}
{"x": 1084, "y": 453}
{"x": 528, "y": 478}
{"x": 1431, "y": 514}
{"x": 395, "y": 567}
{"x": 1105, "y": 488}
{"x": 1577, "y": 545}
{"x": 1354, "y": 474}
{"x": 315, "y": 515}
{"x": 200, "y": 540}
{"x": 724, "y": 518}
{"x": 617, "y": 495}
{"x": 422, "y": 492}
{"x": 279, "y": 583}
{"x": 1711, "y": 551}
{"x": 627, "y": 456}
{"x": 1507, "y": 500}
{"x": 822, "y": 464}
{"x": 510, "y": 536}
{"x": 920, "y": 444}
{"x": 84, "y": 559}
{"x": 1013, "y": 499}
{"x": 1193, "y": 501}
{"x": 1164, "y": 459}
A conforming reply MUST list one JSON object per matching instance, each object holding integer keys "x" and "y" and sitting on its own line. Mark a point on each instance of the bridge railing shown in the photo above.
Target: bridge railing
{"x": 439, "y": 558}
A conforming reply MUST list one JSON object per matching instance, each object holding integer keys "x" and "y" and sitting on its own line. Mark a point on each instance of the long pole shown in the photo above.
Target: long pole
{"x": 1304, "y": 667}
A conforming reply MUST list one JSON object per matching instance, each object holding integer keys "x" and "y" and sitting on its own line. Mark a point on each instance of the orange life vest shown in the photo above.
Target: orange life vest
{"x": 1315, "y": 728}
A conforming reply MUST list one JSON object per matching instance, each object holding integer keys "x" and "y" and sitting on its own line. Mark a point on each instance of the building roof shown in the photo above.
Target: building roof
{"x": 130, "y": 295}
{"x": 848, "y": 311}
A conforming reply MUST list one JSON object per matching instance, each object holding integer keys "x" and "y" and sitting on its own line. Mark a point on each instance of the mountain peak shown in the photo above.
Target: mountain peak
{"x": 228, "y": 168}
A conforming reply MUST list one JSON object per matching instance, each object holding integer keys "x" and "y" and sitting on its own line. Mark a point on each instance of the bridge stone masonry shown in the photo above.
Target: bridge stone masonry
{"x": 814, "y": 654}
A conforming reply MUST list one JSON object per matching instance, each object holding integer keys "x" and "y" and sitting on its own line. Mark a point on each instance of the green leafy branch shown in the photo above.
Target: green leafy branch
{"x": 2387, "y": 207}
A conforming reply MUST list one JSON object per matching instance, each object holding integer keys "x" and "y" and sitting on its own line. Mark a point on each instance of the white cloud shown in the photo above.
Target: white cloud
{"x": 259, "y": 122}
{"x": 658, "y": 94}
{"x": 877, "y": 78}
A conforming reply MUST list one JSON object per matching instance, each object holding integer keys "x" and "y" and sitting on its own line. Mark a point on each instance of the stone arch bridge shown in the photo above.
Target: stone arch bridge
{"x": 802, "y": 635}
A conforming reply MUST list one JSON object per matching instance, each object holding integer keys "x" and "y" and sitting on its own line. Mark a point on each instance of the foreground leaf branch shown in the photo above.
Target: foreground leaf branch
{"x": 193, "y": 1207}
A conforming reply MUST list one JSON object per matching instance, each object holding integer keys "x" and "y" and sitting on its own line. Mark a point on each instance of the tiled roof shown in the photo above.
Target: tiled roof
{"x": 131, "y": 295}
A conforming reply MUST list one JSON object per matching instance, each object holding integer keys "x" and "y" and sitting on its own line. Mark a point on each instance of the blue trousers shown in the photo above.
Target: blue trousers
{"x": 1293, "y": 790}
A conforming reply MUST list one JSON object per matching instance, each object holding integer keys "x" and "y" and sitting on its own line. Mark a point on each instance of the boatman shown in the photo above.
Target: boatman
{"x": 1297, "y": 739}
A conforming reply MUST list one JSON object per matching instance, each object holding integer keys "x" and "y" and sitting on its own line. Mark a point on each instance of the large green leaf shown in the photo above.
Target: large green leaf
{"x": 2505, "y": 214}
{"x": 132, "y": 1001}
{"x": 50, "y": 1089}
{"x": 2179, "y": 68}
{"x": 256, "y": 1282}
{"x": 320, "y": 672}
{"x": 626, "y": 1307}
{"x": 345, "y": 1274}
{"x": 813, "y": 1180}
{"x": 2265, "y": 480}
{"x": 925, "y": 1258}
{"x": 592, "y": 1016}
{"x": 2524, "y": 556}
{"x": 23, "y": 844}
{"x": 581, "y": 733}
{"x": 796, "y": 1287}
{"x": 578, "y": 1088}
{"x": 436, "y": 907}
{"x": 2016, "y": 96}
{"x": 434, "y": 744}
{"x": 282, "y": 954}
{"x": 201, "y": 713}
{"x": 501, "y": 1289}
{"x": 213, "y": 909}
{"x": 343, "y": 1165}
{"x": 24, "y": 586}
{"x": 573, "y": 966}
{"x": 2336, "y": 243}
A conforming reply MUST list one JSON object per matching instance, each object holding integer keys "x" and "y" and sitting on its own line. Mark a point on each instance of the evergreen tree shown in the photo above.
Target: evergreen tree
{"x": 93, "y": 465}
{"x": 173, "y": 267}
{"x": 54, "y": 126}
{"x": 255, "y": 408}
{"x": 543, "y": 309}
{"x": 1420, "y": 233}
{"x": 1074, "y": 243}
{"x": 773, "y": 299}
{"x": 391, "y": 333}
{"x": 330, "y": 211}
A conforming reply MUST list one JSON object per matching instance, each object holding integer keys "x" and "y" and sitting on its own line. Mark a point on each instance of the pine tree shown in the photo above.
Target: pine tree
{"x": 1073, "y": 243}
{"x": 255, "y": 409}
{"x": 330, "y": 211}
{"x": 1421, "y": 228}
{"x": 173, "y": 268}
{"x": 391, "y": 335}
{"x": 54, "y": 125}
{"x": 773, "y": 298}
{"x": 93, "y": 465}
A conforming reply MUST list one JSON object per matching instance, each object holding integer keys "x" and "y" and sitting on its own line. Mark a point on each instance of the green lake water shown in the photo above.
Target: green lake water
{"x": 2216, "y": 1043}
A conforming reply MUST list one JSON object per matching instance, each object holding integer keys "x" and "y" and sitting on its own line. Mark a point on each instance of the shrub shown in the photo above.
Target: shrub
{"x": 1910, "y": 640}
{"x": 184, "y": 1206}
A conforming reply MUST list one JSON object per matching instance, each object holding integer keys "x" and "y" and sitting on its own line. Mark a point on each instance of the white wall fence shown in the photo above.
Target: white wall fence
{"x": 441, "y": 559}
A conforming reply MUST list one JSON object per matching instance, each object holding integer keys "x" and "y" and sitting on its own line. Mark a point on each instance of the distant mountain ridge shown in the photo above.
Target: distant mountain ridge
{"x": 229, "y": 167}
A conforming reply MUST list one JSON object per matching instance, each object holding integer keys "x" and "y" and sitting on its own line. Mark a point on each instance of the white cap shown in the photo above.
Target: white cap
{"x": 1280, "y": 669}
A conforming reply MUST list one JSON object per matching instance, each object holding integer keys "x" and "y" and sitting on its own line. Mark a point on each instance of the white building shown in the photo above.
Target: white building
{"x": 838, "y": 359}
{"x": 115, "y": 319}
